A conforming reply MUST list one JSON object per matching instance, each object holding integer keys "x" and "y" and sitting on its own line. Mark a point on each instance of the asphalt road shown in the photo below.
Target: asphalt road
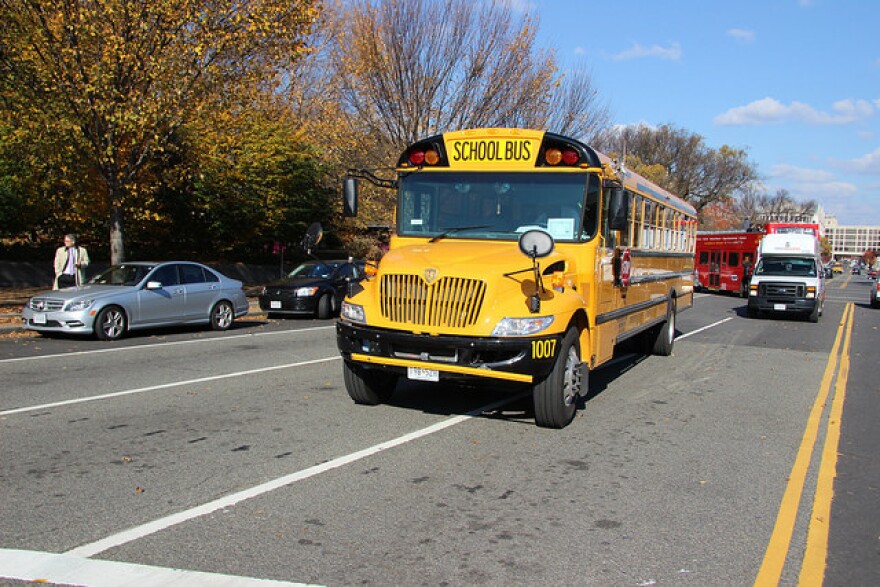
{"x": 237, "y": 458}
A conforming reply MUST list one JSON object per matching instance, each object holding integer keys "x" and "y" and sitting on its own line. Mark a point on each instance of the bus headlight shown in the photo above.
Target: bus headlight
{"x": 352, "y": 312}
{"x": 522, "y": 326}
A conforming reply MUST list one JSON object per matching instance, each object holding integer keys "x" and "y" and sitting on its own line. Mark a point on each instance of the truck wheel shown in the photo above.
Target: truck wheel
{"x": 814, "y": 315}
{"x": 664, "y": 335}
{"x": 555, "y": 398}
{"x": 368, "y": 386}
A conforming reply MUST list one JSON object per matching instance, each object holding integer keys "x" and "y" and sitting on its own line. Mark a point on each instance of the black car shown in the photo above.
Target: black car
{"x": 315, "y": 288}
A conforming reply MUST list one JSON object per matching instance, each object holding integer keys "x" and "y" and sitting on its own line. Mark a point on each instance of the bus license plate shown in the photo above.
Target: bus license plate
{"x": 420, "y": 374}
{"x": 779, "y": 307}
{"x": 39, "y": 318}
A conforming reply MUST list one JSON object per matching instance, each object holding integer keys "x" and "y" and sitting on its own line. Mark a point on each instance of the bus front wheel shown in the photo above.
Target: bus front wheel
{"x": 664, "y": 335}
{"x": 555, "y": 398}
{"x": 368, "y": 386}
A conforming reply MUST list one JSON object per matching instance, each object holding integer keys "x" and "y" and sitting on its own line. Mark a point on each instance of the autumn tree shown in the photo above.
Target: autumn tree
{"x": 401, "y": 70}
{"x": 681, "y": 162}
{"x": 120, "y": 78}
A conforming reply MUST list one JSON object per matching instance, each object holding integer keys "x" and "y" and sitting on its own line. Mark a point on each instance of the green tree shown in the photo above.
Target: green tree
{"x": 119, "y": 78}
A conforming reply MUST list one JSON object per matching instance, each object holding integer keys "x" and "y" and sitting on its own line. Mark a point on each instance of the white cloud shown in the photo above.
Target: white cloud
{"x": 637, "y": 51}
{"x": 769, "y": 110}
{"x": 869, "y": 163}
{"x": 800, "y": 174}
{"x": 580, "y": 51}
{"x": 742, "y": 35}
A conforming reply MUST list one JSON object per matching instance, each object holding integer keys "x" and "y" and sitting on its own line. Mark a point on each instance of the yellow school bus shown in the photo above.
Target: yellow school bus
{"x": 518, "y": 256}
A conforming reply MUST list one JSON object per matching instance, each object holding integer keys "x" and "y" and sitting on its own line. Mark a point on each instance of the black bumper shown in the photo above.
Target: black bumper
{"x": 524, "y": 360}
{"x": 799, "y": 306}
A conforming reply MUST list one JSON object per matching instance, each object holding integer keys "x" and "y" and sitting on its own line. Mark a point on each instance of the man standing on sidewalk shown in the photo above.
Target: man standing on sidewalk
{"x": 70, "y": 263}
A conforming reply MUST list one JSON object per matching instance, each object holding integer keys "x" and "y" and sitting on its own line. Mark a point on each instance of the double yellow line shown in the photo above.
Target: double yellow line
{"x": 815, "y": 555}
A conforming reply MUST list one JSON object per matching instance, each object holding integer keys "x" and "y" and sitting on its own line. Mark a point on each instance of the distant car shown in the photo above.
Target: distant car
{"x": 136, "y": 295}
{"x": 875, "y": 295}
{"x": 872, "y": 274}
{"x": 315, "y": 288}
{"x": 856, "y": 270}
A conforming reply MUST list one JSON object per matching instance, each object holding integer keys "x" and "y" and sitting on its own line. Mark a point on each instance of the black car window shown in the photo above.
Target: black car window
{"x": 167, "y": 275}
{"x": 348, "y": 270}
{"x": 191, "y": 274}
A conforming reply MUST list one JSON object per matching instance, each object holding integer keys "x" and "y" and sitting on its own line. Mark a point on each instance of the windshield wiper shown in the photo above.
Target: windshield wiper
{"x": 454, "y": 229}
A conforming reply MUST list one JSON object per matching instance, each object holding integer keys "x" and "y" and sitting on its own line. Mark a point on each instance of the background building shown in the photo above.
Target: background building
{"x": 851, "y": 241}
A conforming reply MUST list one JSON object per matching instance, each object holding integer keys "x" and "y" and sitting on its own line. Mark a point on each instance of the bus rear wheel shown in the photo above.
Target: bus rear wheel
{"x": 368, "y": 386}
{"x": 555, "y": 398}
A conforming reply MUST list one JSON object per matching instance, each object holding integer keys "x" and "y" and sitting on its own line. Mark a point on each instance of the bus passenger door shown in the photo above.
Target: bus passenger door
{"x": 608, "y": 300}
{"x": 714, "y": 269}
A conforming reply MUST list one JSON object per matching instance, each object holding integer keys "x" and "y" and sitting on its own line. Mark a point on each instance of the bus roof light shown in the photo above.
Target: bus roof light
{"x": 553, "y": 156}
{"x": 417, "y": 157}
{"x": 570, "y": 157}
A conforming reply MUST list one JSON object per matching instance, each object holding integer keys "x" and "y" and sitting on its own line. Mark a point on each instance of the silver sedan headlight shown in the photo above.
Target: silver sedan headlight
{"x": 522, "y": 326}
{"x": 79, "y": 305}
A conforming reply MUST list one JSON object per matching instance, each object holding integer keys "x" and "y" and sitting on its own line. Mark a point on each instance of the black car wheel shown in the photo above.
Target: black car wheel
{"x": 325, "y": 307}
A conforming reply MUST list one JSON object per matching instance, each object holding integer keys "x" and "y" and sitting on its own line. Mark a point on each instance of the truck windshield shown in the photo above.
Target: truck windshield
{"x": 498, "y": 206}
{"x": 786, "y": 266}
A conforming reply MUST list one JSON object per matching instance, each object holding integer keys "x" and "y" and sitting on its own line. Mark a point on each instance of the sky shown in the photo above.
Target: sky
{"x": 794, "y": 83}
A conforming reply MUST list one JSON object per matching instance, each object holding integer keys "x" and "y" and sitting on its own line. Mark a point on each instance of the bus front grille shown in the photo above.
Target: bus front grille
{"x": 452, "y": 302}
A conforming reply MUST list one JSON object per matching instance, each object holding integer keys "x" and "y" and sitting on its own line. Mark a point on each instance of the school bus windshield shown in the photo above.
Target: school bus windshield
{"x": 498, "y": 206}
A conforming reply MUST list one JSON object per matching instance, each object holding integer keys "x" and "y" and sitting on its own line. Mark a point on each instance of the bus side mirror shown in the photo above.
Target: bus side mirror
{"x": 618, "y": 209}
{"x": 349, "y": 197}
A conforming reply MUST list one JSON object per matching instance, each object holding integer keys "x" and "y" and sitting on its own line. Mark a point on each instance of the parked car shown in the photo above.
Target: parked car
{"x": 315, "y": 288}
{"x": 875, "y": 295}
{"x": 139, "y": 295}
{"x": 872, "y": 274}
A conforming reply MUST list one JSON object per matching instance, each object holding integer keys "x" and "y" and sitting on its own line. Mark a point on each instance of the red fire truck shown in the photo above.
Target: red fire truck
{"x": 725, "y": 260}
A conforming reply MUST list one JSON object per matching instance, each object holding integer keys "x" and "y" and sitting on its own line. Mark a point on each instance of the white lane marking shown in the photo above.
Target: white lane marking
{"x": 162, "y": 344}
{"x": 698, "y": 330}
{"x": 163, "y": 386}
{"x": 126, "y": 536}
{"x": 42, "y": 567}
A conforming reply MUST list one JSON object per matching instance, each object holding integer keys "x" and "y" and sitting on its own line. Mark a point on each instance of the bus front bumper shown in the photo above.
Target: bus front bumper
{"x": 517, "y": 360}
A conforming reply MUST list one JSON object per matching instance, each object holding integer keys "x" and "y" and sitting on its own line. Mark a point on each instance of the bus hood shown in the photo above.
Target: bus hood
{"x": 487, "y": 261}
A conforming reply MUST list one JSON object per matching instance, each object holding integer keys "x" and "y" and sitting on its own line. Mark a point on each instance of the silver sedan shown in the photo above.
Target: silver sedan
{"x": 139, "y": 295}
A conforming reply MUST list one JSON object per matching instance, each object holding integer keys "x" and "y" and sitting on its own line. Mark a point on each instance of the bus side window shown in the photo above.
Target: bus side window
{"x": 733, "y": 260}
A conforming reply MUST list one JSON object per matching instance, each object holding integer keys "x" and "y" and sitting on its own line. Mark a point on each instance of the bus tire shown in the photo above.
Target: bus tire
{"x": 369, "y": 387}
{"x": 664, "y": 335}
{"x": 555, "y": 398}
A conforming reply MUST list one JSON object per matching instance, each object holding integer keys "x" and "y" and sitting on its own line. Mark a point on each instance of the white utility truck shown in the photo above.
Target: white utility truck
{"x": 788, "y": 276}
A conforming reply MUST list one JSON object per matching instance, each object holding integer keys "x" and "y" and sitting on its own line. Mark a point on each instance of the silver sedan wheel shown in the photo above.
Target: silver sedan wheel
{"x": 222, "y": 316}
